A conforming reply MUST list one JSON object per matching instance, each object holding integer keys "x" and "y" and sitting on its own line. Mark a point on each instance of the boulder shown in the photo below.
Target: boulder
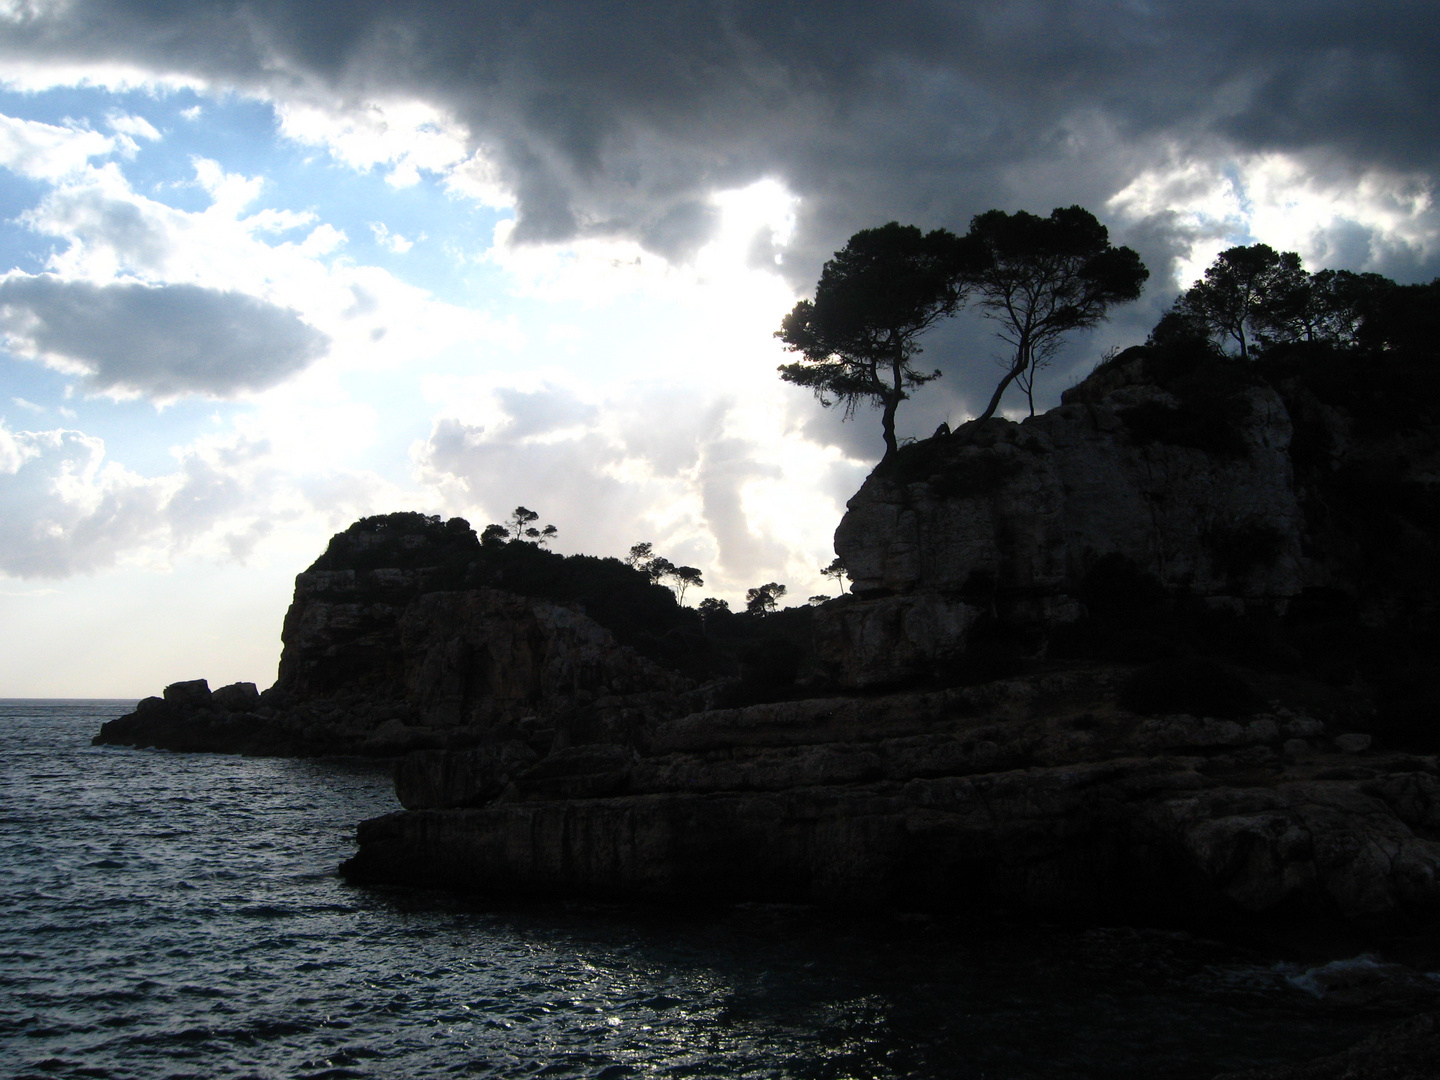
{"x": 237, "y": 697}
{"x": 194, "y": 694}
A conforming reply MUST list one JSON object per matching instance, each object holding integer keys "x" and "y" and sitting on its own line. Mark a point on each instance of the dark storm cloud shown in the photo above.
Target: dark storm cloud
{"x": 163, "y": 341}
{"x": 618, "y": 118}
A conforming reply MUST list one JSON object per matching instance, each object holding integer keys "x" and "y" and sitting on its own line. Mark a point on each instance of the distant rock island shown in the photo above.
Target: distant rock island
{"x": 1165, "y": 652}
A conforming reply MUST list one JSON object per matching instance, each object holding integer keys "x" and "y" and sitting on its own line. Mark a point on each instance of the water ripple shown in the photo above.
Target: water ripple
{"x": 170, "y": 915}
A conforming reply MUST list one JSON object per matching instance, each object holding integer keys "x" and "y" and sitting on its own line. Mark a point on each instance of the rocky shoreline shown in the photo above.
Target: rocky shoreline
{"x": 1033, "y": 794}
{"x": 1143, "y": 658}
{"x": 1027, "y": 702}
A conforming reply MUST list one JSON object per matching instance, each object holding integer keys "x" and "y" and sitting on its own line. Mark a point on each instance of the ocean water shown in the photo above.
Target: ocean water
{"x": 169, "y": 915}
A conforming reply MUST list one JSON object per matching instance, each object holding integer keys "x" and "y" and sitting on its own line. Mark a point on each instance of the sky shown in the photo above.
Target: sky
{"x": 268, "y": 267}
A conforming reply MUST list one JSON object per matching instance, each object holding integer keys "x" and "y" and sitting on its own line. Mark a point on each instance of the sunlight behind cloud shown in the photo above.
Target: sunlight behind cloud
{"x": 759, "y": 216}
{"x": 664, "y": 417}
{"x": 1356, "y": 220}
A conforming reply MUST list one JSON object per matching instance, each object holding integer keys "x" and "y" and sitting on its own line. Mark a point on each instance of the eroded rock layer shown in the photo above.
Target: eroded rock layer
{"x": 1036, "y": 793}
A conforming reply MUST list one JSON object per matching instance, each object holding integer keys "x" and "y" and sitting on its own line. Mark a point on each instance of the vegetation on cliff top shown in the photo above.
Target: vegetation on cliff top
{"x": 1038, "y": 278}
{"x": 1356, "y": 361}
{"x": 1358, "y": 347}
{"x": 764, "y": 649}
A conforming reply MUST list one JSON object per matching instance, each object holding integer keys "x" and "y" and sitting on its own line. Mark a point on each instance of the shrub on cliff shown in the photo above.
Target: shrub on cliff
{"x": 770, "y": 654}
{"x": 403, "y": 541}
{"x": 1209, "y": 386}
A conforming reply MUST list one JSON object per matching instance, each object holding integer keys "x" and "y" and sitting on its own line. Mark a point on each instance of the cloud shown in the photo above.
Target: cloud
{"x": 286, "y": 260}
{"x": 1362, "y": 219}
{"x": 46, "y": 152}
{"x": 67, "y": 508}
{"x": 130, "y": 127}
{"x": 64, "y": 509}
{"x": 619, "y": 120}
{"x": 705, "y": 478}
{"x": 164, "y": 341}
{"x": 392, "y": 241}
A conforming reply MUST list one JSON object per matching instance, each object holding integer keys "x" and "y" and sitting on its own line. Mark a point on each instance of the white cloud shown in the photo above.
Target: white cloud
{"x": 391, "y": 241}
{"x": 405, "y": 137}
{"x": 65, "y": 509}
{"x": 731, "y": 303}
{"x": 46, "y": 152}
{"x": 137, "y": 127}
{"x": 128, "y": 128}
{"x": 478, "y": 179}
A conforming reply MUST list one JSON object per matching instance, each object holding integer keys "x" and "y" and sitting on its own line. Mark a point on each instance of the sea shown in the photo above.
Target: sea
{"x": 179, "y": 915}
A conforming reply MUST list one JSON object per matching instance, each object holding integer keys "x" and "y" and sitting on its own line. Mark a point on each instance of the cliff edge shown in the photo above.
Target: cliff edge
{"x": 1166, "y": 652}
{"x": 1129, "y": 659}
{"x": 396, "y": 640}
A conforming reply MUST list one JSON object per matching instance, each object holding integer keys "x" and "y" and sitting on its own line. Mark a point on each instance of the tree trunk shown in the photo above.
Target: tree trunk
{"x": 893, "y": 398}
{"x": 1010, "y": 376}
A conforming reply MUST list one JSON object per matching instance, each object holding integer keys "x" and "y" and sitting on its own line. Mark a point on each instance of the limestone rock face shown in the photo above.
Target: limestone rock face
{"x": 890, "y": 639}
{"x": 483, "y": 659}
{"x": 1032, "y": 506}
{"x": 1033, "y": 793}
{"x": 1024, "y": 511}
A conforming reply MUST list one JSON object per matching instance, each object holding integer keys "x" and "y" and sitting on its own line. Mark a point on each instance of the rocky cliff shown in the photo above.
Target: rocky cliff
{"x": 1089, "y": 668}
{"x": 1143, "y": 488}
{"x": 389, "y": 648}
{"x": 1159, "y": 653}
{"x": 1032, "y": 794}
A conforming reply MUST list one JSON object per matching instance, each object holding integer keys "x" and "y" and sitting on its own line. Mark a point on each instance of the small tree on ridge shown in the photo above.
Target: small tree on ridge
{"x": 1044, "y": 277}
{"x": 857, "y": 338}
{"x": 1242, "y": 289}
{"x": 521, "y": 527}
{"x": 762, "y": 599}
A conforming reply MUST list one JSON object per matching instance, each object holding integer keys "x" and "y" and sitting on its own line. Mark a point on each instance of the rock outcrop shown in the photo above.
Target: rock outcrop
{"x": 1198, "y": 498}
{"x": 1036, "y": 794}
{"x": 386, "y": 651}
{"x": 1109, "y": 662}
